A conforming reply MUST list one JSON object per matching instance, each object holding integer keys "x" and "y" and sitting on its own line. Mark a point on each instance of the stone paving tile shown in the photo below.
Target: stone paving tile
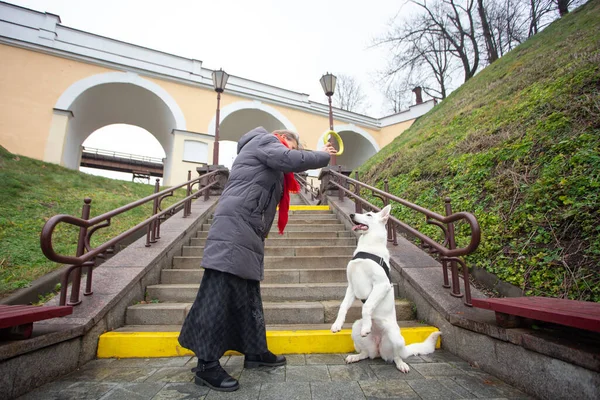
{"x": 181, "y": 391}
{"x": 432, "y": 389}
{"x": 249, "y": 391}
{"x": 437, "y": 369}
{"x": 172, "y": 374}
{"x": 441, "y": 356}
{"x": 133, "y": 391}
{"x": 351, "y": 372}
{"x": 285, "y": 391}
{"x": 295, "y": 359}
{"x": 307, "y": 373}
{"x": 95, "y": 374}
{"x": 483, "y": 388}
{"x": 262, "y": 375}
{"x": 130, "y": 374}
{"x": 160, "y": 362}
{"x": 454, "y": 387}
{"x": 325, "y": 359}
{"x": 375, "y": 390}
{"x": 85, "y": 391}
{"x": 234, "y": 366}
{"x": 390, "y": 372}
{"x": 336, "y": 391}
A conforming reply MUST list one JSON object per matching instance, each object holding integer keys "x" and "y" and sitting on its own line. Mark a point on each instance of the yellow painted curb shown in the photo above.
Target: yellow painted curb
{"x": 165, "y": 344}
{"x": 308, "y": 208}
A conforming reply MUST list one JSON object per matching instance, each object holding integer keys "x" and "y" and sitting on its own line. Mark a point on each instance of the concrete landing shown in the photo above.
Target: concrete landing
{"x": 312, "y": 377}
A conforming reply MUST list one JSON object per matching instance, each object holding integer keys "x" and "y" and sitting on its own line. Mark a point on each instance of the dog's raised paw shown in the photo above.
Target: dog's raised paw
{"x": 365, "y": 331}
{"x": 336, "y": 327}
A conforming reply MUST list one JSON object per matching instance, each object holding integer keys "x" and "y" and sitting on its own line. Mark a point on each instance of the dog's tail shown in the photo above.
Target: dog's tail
{"x": 426, "y": 347}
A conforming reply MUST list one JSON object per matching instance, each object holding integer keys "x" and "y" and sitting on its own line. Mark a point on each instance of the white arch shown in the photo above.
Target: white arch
{"x": 352, "y": 128}
{"x": 250, "y": 105}
{"x": 75, "y": 90}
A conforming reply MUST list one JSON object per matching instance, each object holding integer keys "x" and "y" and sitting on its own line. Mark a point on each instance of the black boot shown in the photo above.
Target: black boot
{"x": 267, "y": 359}
{"x": 211, "y": 374}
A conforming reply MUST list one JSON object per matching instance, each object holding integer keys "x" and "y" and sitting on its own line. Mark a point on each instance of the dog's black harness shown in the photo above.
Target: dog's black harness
{"x": 378, "y": 260}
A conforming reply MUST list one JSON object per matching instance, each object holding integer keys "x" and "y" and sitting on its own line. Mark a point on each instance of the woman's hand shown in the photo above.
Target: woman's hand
{"x": 328, "y": 148}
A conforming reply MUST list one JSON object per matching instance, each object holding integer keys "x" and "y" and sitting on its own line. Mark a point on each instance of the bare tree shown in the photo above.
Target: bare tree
{"x": 348, "y": 94}
{"x": 454, "y": 20}
{"x": 421, "y": 56}
{"x": 490, "y": 43}
{"x": 397, "y": 96}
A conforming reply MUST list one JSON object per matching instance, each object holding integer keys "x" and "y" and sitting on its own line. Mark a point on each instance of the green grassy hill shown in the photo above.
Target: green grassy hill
{"x": 519, "y": 146}
{"x": 32, "y": 191}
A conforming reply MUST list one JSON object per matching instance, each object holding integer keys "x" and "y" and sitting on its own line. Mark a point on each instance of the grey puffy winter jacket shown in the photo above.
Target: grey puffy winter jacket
{"x": 248, "y": 204}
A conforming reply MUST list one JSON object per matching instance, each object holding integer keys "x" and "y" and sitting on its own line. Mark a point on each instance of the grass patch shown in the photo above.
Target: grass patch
{"x": 33, "y": 191}
{"x": 519, "y": 146}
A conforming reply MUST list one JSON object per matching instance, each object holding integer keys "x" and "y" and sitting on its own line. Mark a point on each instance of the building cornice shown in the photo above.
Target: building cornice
{"x": 42, "y": 32}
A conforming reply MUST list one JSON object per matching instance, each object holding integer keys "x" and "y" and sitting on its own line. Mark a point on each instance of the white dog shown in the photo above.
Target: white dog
{"x": 377, "y": 333}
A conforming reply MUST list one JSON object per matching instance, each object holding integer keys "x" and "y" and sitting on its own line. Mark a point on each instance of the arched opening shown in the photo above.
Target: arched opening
{"x": 124, "y": 141}
{"x": 119, "y": 98}
{"x": 359, "y": 146}
{"x": 357, "y": 150}
{"x": 236, "y": 124}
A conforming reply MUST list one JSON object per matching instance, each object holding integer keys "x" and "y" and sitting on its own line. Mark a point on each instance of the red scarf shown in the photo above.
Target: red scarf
{"x": 289, "y": 186}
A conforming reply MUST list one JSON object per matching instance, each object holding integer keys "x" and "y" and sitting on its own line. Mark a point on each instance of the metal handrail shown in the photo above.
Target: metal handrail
{"x": 447, "y": 251}
{"x": 86, "y": 255}
{"x": 100, "y": 152}
{"x": 308, "y": 187}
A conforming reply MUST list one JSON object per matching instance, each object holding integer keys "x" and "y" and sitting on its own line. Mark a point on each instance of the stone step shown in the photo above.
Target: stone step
{"x": 286, "y": 241}
{"x": 303, "y": 221}
{"x": 297, "y": 235}
{"x": 299, "y": 228}
{"x": 308, "y": 216}
{"x": 185, "y": 293}
{"x": 291, "y": 312}
{"x": 300, "y": 212}
{"x": 170, "y": 276}
{"x": 162, "y": 340}
{"x": 302, "y": 262}
{"x": 287, "y": 251}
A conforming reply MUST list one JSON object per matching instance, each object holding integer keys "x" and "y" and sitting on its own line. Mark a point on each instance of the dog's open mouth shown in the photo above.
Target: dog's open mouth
{"x": 358, "y": 226}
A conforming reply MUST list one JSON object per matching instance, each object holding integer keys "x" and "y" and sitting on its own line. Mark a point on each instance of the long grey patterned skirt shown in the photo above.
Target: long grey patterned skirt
{"x": 226, "y": 315}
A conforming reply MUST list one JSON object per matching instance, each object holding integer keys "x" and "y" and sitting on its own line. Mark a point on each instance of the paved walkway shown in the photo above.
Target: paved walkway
{"x": 314, "y": 376}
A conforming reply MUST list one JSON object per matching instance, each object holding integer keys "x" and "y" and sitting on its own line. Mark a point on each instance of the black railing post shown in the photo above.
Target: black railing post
{"x": 452, "y": 245}
{"x": 85, "y": 214}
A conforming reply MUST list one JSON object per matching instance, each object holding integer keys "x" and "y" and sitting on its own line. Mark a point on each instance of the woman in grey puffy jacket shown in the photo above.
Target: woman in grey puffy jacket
{"x": 227, "y": 313}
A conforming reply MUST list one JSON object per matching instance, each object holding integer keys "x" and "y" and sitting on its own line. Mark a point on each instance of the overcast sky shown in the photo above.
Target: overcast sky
{"x": 288, "y": 44}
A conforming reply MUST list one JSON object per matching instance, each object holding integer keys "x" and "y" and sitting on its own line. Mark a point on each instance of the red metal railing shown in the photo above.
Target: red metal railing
{"x": 86, "y": 255}
{"x": 447, "y": 251}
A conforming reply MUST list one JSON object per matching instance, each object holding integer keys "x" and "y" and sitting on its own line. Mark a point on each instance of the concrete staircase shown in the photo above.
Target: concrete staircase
{"x": 305, "y": 279}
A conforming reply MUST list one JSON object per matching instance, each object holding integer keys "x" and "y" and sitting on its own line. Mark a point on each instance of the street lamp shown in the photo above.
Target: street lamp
{"x": 328, "y": 83}
{"x": 220, "y": 78}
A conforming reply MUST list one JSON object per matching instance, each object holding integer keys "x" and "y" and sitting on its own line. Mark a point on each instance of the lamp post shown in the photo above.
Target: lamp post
{"x": 328, "y": 83}
{"x": 219, "y": 81}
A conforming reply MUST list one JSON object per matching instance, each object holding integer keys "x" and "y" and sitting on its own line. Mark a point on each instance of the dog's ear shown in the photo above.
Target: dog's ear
{"x": 385, "y": 213}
